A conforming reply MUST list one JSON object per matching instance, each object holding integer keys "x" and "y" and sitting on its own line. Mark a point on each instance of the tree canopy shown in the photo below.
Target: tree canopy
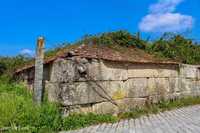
{"x": 9, "y": 64}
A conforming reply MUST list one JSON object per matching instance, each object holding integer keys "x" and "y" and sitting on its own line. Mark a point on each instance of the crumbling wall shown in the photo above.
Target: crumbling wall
{"x": 27, "y": 76}
{"x": 91, "y": 85}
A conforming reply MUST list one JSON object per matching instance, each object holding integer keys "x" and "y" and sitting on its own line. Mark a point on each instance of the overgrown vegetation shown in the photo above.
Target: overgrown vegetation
{"x": 176, "y": 47}
{"x": 122, "y": 38}
{"x": 18, "y": 110}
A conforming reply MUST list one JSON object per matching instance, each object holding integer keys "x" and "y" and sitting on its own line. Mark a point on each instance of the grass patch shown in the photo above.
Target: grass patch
{"x": 17, "y": 110}
{"x": 76, "y": 121}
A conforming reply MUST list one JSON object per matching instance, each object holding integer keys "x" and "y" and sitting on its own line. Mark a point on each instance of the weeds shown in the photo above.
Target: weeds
{"x": 76, "y": 121}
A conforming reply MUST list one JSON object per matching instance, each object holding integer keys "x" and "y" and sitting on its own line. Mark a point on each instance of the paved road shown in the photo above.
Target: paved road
{"x": 184, "y": 120}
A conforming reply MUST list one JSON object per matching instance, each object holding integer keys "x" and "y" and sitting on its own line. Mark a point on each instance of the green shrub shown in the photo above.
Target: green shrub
{"x": 121, "y": 38}
{"x": 176, "y": 47}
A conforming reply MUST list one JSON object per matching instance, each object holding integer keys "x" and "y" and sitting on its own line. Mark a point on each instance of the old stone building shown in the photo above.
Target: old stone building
{"x": 102, "y": 79}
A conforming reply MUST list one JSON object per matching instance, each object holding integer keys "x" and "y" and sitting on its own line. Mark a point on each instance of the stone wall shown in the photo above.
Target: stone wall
{"x": 101, "y": 86}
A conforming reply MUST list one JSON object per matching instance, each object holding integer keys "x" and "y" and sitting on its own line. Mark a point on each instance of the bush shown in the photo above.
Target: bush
{"x": 176, "y": 47}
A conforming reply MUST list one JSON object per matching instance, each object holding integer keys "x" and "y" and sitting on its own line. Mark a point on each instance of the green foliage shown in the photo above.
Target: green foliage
{"x": 9, "y": 64}
{"x": 122, "y": 38}
{"x": 176, "y": 47}
{"x": 18, "y": 110}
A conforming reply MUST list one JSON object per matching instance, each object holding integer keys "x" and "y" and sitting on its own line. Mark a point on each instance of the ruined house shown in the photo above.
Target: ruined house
{"x": 103, "y": 79}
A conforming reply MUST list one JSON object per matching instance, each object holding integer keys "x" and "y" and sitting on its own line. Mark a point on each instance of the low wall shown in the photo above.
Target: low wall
{"x": 101, "y": 86}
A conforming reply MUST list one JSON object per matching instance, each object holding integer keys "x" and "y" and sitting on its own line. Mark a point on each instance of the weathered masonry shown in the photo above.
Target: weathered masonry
{"x": 104, "y": 80}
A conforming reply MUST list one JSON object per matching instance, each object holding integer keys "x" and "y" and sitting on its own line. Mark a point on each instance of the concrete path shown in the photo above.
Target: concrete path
{"x": 183, "y": 120}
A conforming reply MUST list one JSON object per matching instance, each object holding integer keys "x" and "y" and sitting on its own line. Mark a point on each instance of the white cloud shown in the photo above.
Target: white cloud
{"x": 161, "y": 18}
{"x": 168, "y": 22}
{"x": 164, "y": 6}
{"x": 27, "y": 52}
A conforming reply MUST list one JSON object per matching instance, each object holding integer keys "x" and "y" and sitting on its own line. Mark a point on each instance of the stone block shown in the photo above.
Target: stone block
{"x": 150, "y": 70}
{"x": 123, "y": 105}
{"x": 189, "y": 71}
{"x": 80, "y": 93}
{"x": 174, "y": 85}
{"x": 104, "y": 70}
{"x": 53, "y": 91}
{"x": 136, "y": 87}
{"x": 63, "y": 71}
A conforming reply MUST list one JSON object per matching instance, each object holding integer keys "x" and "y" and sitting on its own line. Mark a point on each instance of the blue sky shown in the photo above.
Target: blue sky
{"x": 22, "y": 21}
